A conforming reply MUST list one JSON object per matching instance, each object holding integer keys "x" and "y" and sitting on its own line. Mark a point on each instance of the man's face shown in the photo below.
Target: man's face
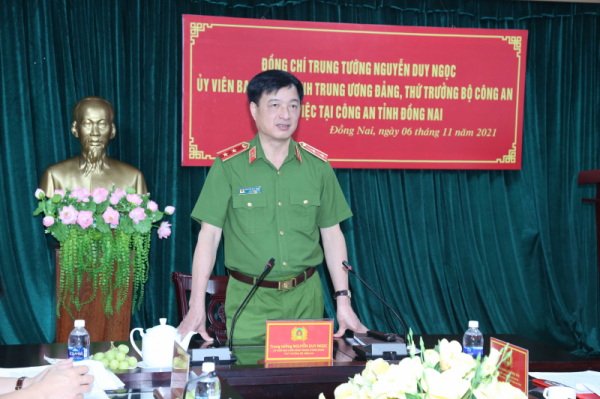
{"x": 94, "y": 127}
{"x": 277, "y": 113}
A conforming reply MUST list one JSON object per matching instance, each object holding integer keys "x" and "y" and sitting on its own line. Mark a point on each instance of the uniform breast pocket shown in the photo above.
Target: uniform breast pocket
{"x": 304, "y": 206}
{"x": 250, "y": 212}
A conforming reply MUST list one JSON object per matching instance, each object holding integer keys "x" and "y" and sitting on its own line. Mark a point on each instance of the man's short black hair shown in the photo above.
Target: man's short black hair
{"x": 270, "y": 82}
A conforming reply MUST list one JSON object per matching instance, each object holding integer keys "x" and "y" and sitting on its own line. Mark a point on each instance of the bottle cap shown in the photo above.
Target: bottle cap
{"x": 79, "y": 323}
{"x": 473, "y": 324}
{"x": 208, "y": 367}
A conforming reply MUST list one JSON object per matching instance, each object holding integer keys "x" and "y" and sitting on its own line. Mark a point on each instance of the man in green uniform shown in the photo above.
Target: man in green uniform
{"x": 271, "y": 198}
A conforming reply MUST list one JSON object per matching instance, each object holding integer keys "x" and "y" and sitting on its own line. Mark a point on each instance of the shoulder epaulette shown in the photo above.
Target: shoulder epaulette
{"x": 319, "y": 154}
{"x": 231, "y": 152}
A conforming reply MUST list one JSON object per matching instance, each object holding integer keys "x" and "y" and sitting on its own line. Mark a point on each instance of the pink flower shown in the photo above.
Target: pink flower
{"x": 48, "y": 221}
{"x": 99, "y": 195}
{"x": 60, "y": 192}
{"x": 164, "y": 230}
{"x": 152, "y": 206}
{"x": 111, "y": 216}
{"x": 85, "y": 219}
{"x": 170, "y": 210}
{"x": 119, "y": 193}
{"x": 134, "y": 199}
{"x": 68, "y": 215}
{"x": 114, "y": 199}
{"x": 39, "y": 194}
{"x": 81, "y": 194}
{"x": 137, "y": 215}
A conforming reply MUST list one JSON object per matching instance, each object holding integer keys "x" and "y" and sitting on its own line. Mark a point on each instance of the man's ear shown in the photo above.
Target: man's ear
{"x": 113, "y": 131}
{"x": 253, "y": 107}
{"x": 74, "y": 129}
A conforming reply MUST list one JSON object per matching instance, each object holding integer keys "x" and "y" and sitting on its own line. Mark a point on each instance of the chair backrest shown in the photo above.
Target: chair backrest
{"x": 215, "y": 313}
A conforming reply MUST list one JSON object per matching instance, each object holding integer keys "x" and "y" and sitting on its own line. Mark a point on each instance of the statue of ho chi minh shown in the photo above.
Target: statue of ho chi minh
{"x": 93, "y": 125}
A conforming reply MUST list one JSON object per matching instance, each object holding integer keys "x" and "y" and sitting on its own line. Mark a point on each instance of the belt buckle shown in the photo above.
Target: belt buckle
{"x": 287, "y": 284}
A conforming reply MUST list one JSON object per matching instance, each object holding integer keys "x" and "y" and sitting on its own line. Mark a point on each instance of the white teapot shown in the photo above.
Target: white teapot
{"x": 157, "y": 344}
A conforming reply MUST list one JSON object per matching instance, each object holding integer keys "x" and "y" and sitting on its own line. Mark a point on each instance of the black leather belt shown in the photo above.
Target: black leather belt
{"x": 280, "y": 285}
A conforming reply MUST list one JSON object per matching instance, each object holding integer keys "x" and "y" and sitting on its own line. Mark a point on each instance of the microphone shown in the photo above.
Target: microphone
{"x": 350, "y": 269}
{"x": 258, "y": 281}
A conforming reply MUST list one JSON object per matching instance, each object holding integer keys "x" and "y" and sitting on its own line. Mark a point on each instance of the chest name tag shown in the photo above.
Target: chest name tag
{"x": 249, "y": 190}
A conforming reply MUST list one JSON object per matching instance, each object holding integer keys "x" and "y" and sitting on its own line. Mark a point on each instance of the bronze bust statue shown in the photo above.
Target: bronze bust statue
{"x": 93, "y": 125}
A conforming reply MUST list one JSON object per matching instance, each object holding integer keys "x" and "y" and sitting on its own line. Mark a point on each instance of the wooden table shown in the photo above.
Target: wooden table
{"x": 253, "y": 380}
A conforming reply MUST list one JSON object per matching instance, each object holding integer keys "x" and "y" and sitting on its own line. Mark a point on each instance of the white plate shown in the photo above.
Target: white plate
{"x": 142, "y": 365}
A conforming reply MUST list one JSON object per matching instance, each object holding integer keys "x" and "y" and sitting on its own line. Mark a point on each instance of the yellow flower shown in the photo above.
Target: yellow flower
{"x": 373, "y": 369}
{"x": 489, "y": 365}
{"x": 431, "y": 358}
{"x": 462, "y": 363}
{"x": 344, "y": 391}
{"x": 444, "y": 386}
{"x": 507, "y": 391}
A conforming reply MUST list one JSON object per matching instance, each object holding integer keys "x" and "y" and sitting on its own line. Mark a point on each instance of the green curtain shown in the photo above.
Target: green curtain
{"x": 515, "y": 250}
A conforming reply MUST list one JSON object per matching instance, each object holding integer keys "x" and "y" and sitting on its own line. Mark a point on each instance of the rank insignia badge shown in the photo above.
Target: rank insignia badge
{"x": 233, "y": 151}
{"x": 312, "y": 150}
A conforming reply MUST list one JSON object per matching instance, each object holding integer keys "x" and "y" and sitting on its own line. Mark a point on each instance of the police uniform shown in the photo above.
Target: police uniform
{"x": 266, "y": 213}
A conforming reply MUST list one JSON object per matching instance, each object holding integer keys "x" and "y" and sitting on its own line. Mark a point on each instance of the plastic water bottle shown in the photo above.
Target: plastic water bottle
{"x": 473, "y": 340}
{"x": 208, "y": 385}
{"x": 79, "y": 342}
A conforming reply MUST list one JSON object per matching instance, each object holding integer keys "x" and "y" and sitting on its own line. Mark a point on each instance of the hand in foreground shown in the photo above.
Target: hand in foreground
{"x": 347, "y": 319}
{"x": 194, "y": 321}
{"x": 63, "y": 381}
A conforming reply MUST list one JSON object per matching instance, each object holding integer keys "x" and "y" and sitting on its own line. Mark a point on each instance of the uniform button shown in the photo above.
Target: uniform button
{"x": 280, "y": 204}
{"x": 285, "y": 263}
{"x": 305, "y": 202}
{"x": 281, "y": 232}
{"x": 278, "y": 172}
{"x": 249, "y": 203}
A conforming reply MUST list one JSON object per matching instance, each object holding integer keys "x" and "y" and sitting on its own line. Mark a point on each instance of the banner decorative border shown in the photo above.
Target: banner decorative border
{"x": 197, "y": 27}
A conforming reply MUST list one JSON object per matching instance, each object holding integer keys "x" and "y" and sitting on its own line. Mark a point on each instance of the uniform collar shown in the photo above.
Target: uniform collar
{"x": 256, "y": 151}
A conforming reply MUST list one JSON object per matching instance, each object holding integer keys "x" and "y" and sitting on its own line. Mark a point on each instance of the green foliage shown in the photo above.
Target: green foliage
{"x": 107, "y": 257}
{"x": 126, "y": 225}
{"x": 144, "y": 226}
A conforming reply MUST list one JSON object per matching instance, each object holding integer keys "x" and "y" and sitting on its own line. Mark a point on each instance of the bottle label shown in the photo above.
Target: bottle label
{"x": 78, "y": 353}
{"x": 474, "y": 352}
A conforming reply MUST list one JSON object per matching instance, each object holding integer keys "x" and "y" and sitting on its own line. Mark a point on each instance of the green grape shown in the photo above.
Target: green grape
{"x": 114, "y": 364}
{"x": 105, "y": 362}
{"x": 132, "y": 361}
{"x": 120, "y": 356}
{"x": 123, "y": 365}
{"x": 98, "y": 356}
{"x": 124, "y": 348}
{"x": 176, "y": 362}
{"x": 110, "y": 355}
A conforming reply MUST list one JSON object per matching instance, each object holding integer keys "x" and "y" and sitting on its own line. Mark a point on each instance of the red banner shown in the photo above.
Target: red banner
{"x": 375, "y": 96}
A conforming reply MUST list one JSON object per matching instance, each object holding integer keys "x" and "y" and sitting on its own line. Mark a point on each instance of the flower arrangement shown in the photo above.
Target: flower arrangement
{"x": 95, "y": 230}
{"x": 441, "y": 373}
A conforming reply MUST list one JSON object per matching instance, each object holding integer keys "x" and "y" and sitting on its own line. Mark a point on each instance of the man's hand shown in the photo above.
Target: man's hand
{"x": 194, "y": 321}
{"x": 347, "y": 319}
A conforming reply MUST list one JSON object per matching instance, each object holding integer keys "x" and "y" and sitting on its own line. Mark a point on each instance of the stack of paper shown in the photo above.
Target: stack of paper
{"x": 582, "y": 382}
{"x": 104, "y": 380}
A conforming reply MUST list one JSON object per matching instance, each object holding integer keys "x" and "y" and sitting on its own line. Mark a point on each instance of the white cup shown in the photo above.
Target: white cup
{"x": 559, "y": 393}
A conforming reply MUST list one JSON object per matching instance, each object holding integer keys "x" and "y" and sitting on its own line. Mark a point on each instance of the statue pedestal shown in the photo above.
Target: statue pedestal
{"x": 101, "y": 328}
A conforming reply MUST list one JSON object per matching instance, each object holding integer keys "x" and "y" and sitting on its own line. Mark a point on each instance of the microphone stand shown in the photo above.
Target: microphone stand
{"x": 223, "y": 355}
{"x": 351, "y": 270}
{"x": 254, "y": 287}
